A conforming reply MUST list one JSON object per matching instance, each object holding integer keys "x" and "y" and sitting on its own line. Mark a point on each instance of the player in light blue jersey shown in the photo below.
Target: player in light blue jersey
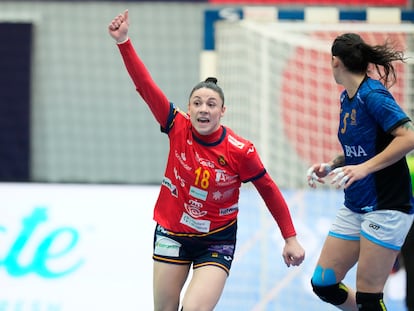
{"x": 375, "y": 134}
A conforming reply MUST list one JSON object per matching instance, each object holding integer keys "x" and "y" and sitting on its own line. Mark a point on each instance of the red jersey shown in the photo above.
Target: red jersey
{"x": 200, "y": 188}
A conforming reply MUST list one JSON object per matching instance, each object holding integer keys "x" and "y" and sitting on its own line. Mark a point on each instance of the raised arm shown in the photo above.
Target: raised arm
{"x": 118, "y": 28}
{"x": 144, "y": 84}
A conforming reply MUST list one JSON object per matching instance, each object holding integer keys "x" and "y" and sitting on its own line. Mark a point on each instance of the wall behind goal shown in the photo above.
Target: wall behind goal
{"x": 88, "y": 124}
{"x": 275, "y": 67}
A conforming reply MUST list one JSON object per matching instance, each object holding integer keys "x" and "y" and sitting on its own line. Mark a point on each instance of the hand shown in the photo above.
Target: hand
{"x": 317, "y": 172}
{"x": 118, "y": 28}
{"x": 340, "y": 179}
{"x": 293, "y": 253}
{"x": 344, "y": 176}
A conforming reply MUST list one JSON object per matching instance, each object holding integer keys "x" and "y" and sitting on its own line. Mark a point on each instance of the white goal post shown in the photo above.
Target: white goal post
{"x": 279, "y": 88}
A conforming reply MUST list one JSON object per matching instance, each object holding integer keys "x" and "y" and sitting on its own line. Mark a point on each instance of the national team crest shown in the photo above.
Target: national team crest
{"x": 222, "y": 160}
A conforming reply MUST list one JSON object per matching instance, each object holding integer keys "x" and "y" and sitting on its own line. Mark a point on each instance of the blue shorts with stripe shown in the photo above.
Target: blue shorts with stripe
{"x": 215, "y": 248}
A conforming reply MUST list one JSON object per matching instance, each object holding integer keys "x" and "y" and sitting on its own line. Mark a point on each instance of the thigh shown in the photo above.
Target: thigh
{"x": 339, "y": 255}
{"x": 374, "y": 266}
{"x": 168, "y": 281}
{"x": 205, "y": 288}
{"x": 408, "y": 248}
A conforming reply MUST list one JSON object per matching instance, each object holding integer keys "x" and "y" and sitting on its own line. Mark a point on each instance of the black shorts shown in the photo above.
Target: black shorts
{"x": 214, "y": 248}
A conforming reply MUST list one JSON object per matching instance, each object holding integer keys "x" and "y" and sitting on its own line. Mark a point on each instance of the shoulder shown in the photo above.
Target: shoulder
{"x": 176, "y": 119}
{"x": 373, "y": 87}
{"x": 239, "y": 146}
{"x": 176, "y": 111}
{"x": 373, "y": 93}
{"x": 235, "y": 140}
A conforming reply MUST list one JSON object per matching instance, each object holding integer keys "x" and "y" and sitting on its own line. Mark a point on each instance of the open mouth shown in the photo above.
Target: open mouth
{"x": 203, "y": 120}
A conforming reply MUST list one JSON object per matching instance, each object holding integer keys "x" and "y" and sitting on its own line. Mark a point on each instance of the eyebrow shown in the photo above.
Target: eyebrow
{"x": 209, "y": 98}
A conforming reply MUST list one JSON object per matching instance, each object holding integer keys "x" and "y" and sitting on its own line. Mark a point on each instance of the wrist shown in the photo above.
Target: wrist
{"x": 122, "y": 40}
{"x": 291, "y": 239}
{"x": 338, "y": 161}
{"x": 327, "y": 167}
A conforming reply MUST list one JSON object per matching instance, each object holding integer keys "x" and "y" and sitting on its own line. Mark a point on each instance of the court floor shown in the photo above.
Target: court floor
{"x": 259, "y": 280}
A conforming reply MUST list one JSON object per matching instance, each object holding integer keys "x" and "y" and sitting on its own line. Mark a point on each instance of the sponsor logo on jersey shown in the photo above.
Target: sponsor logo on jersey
{"x": 196, "y": 224}
{"x": 353, "y": 117}
{"x": 224, "y": 179}
{"x": 222, "y": 160}
{"x": 354, "y": 151}
{"x": 194, "y": 207}
{"x": 229, "y": 210}
{"x": 250, "y": 150}
{"x": 235, "y": 142}
{"x": 218, "y": 195}
{"x": 182, "y": 159}
{"x": 204, "y": 162}
{"x": 179, "y": 178}
{"x": 173, "y": 189}
{"x": 198, "y": 193}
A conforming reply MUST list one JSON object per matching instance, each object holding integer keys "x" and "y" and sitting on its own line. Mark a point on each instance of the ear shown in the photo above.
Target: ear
{"x": 335, "y": 61}
{"x": 223, "y": 110}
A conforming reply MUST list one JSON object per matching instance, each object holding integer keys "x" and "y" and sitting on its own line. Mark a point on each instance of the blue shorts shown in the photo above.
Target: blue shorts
{"x": 387, "y": 228}
{"x": 215, "y": 248}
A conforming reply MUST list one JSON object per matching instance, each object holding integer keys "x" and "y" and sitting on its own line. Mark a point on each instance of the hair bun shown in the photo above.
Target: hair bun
{"x": 211, "y": 79}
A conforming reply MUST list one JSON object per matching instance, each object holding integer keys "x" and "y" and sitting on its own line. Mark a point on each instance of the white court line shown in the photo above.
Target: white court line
{"x": 274, "y": 291}
{"x": 260, "y": 233}
{"x": 296, "y": 200}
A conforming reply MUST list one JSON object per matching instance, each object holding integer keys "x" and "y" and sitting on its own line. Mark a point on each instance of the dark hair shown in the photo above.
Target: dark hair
{"x": 356, "y": 55}
{"x": 210, "y": 83}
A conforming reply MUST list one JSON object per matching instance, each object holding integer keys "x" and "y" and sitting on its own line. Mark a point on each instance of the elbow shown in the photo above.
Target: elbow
{"x": 410, "y": 142}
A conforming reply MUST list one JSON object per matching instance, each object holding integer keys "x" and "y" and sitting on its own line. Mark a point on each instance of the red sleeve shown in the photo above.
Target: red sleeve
{"x": 276, "y": 204}
{"x": 146, "y": 87}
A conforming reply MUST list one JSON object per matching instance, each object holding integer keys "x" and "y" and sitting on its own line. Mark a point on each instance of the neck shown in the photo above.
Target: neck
{"x": 353, "y": 84}
{"x": 210, "y": 138}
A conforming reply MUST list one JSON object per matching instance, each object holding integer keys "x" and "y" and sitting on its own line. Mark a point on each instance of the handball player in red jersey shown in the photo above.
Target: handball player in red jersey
{"x": 196, "y": 211}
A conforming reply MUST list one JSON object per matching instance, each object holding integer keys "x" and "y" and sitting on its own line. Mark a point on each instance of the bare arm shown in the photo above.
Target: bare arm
{"x": 402, "y": 144}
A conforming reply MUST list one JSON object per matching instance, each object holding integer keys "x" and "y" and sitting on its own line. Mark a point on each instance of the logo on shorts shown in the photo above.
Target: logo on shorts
{"x": 166, "y": 247}
{"x": 374, "y": 226}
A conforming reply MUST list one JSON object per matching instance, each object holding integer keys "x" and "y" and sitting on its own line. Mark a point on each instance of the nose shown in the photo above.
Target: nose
{"x": 203, "y": 107}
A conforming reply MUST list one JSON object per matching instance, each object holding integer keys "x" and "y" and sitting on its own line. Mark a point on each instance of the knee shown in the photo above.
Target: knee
{"x": 370, "y": 301}
{"x": 335, "y": 294}
{"x": 326, "y": 287}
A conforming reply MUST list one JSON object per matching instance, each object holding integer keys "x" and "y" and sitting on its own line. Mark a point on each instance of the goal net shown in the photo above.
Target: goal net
{"x": 280, "y": 91}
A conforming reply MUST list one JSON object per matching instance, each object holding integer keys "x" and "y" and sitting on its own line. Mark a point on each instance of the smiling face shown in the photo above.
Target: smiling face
{"x": 205, "y": 109}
